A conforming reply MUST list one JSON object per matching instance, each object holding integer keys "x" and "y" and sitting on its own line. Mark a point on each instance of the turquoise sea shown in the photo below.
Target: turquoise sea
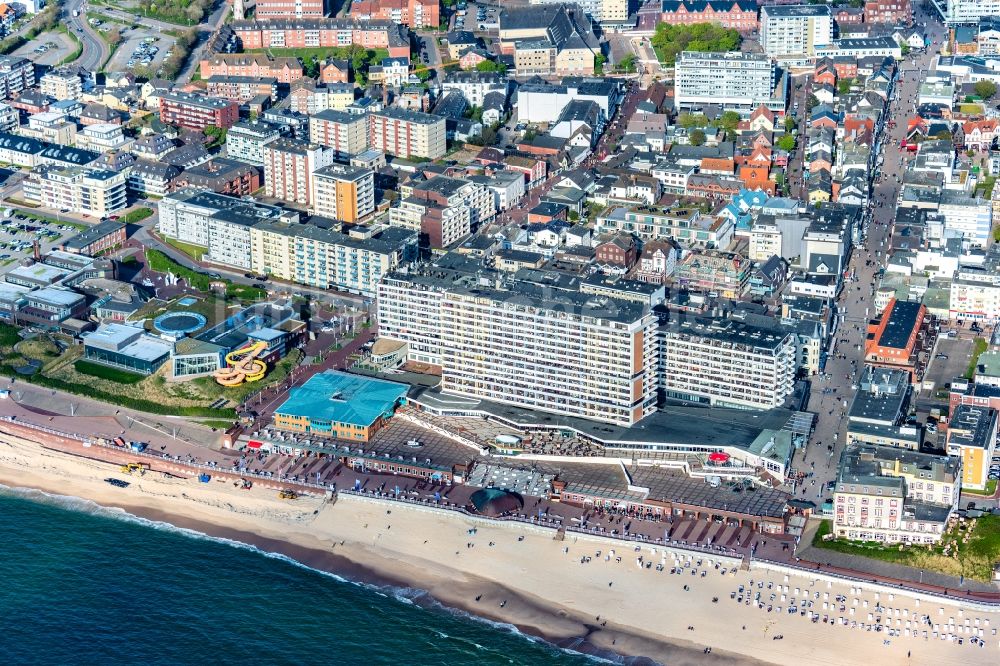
{"x": 86, "y": 585}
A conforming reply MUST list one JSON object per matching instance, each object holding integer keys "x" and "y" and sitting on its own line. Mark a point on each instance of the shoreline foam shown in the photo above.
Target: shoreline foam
{"x": 429, "y": 558}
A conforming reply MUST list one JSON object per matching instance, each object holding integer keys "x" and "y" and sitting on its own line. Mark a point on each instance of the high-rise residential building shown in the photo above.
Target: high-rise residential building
{"x": 408, "y": 133}
{"x": 245, "y": 141}
{"x": 734, "y": 80}
{"x": 93, "y": 192}
{"x": 345, "y": 133}
{"x": 726, "y": 363}
{"x": 290, "y": 9}
{"x": 289, "y": 166}
{"x": 344, "y": 193}
{"x": 570, "y": 353}
{"x": 327, "y": 258}
{"x": 605, "y": 12}
{"x": 894, "y": 495}
{"x": 524, "y": 344}
{"x": 196, "y": 111}
{"x": 791, "y": 33}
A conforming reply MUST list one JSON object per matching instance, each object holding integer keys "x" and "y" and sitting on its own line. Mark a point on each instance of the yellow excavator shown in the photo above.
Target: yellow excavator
{"x": 287, "y": 494}
{"x": 128, "y": 468}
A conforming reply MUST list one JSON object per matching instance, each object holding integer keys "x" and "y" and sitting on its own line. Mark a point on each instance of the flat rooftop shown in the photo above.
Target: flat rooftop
{"x": 902, "y": 319}
{"x": 339, "y": 397}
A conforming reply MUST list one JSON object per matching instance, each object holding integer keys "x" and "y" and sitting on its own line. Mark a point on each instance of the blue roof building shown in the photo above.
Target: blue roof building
{"x": 340, "y": 405}
{"x": 740, "y": 210}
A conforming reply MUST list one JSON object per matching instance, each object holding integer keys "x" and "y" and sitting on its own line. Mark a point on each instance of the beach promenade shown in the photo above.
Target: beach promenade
{"x": 607, "y": 592}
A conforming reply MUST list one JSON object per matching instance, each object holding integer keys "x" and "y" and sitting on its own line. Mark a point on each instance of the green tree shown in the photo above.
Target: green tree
{"x": 573, "y": 216}
{"x": 216, "y": 134}
{"x": 904, "y": 48}
{"x": 813, "y": 101}
{"x": 599, "y": 61}
{"x": 627, "y": 64}
{"x": 669, "y": 40}
{"x": 491, "y": 66}
{"x": 789, "y": 124}
{"x": 844, "y": 86}
{"x": 985, "y": 89}
{"x": 943, "y": 135}
{"x": 697, "y": 137}
{"x": 786, "y": 143}
{"x": 728, "y": 121}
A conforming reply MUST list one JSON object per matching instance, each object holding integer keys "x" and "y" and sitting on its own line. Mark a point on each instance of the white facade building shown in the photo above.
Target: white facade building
{"x": 791, "y": 33}
{"x": 734, "y": 80}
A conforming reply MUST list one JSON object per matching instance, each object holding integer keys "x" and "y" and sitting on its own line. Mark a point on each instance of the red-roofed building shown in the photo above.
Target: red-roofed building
{"x": 979, "y": 134}
{"x": 825, "y": 72}
{"x": 756, "y": 177}
{"x": 894, "y": 338}
{"x": 412, "y": 13}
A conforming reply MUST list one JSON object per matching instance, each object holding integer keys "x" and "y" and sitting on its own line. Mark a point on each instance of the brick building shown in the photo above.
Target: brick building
{"x": 255, "y": 65}
{"x": 895, "y": 337}
{"x": 893, "y": 12}
{"x": 270, "y": 9}
{"x": 411, "y": 13}
{"x": 197, "y": 112}
{"x": 737, "y": 14}
{"x": 322, "y": 32}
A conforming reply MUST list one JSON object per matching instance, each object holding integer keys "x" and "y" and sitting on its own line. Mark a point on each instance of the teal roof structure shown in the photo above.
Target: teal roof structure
{"x": 340, "y": 397}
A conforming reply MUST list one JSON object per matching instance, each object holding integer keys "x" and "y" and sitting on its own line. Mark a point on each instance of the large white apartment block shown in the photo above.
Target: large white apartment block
{"x": 92, "y": 192}
{"x": 974, "y": 294}
{"x": 345, "y": 193}
{"x": 328, "y": 258}
{"x": 407, "y": 134}
{"x": 958, "y": 12}
{"x": 289, "y": 166}
{"x": 245, "y": 141}
{"x": 474, "y": 86}
{"x": 346, "y": 134}
{"x": 186, "y": 215}
{"x": 727, "y": 363}
{"x": 571, "y": 353}
{"x": 16, "y": 74}
{"x": 409, "y": 310}
{"x": 791, "y": 33}
{"x": 971, "y": 217}
{"x": 61, "y": 84}
{"x": 886, "y": 493}
{"x": 734, "y": 80}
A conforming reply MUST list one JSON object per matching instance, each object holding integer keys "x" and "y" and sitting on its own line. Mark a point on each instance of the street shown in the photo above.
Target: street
{"x": 854, "y": 305}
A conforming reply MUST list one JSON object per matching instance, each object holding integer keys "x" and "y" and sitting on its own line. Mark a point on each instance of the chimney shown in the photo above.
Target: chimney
{"x": 36, "y": 250}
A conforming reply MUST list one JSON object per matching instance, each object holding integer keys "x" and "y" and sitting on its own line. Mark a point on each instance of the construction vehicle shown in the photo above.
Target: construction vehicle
{"x": 288, "y": 494}
{"x": 128, "y": 468}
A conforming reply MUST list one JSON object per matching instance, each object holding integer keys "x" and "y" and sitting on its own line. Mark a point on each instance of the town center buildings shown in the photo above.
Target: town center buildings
{"x": 735, "y": 80}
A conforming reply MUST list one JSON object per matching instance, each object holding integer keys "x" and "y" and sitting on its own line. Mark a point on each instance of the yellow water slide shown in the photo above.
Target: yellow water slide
{"x": 243, "y": 365}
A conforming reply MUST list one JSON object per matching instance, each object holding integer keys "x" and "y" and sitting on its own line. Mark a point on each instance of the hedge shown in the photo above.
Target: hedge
{"x": 105, "y": 372}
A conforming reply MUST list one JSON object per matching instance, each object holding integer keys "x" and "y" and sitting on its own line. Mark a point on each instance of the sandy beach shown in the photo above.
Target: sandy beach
{"x": 518, "y": 574}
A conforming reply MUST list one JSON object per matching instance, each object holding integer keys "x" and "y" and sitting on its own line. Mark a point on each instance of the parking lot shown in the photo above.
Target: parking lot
{"x": 48, "y": 48}
{"x": 18, "y": 233}
{"x": 951, "y": 359}
{"x": 141, "y": 48}
{"x": 479, "y": 18}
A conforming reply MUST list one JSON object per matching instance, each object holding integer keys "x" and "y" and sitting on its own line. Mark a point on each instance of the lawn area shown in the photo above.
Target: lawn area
{"x": 161, "y": 263}
{"x": 190, "y": 249}
{"x": 985, "y": 188}
{"x": 307, "y": 53}
{"x": 979, "y": 345}
{"x": 137, "y": 215}
{"x": 991, "y": 487}
{"x": 971, "y": 548}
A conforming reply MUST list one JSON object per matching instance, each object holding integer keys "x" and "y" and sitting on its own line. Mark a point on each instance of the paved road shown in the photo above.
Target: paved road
{"x": 95, "y": 49}
{"x": 845, "y": 363}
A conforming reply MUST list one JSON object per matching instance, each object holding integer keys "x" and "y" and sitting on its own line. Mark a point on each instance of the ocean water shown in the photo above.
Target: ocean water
{"x": 82, "y": 584}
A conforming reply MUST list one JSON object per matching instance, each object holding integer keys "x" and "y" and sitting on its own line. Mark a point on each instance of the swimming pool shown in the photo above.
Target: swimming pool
{"x": 187, "y": 300}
